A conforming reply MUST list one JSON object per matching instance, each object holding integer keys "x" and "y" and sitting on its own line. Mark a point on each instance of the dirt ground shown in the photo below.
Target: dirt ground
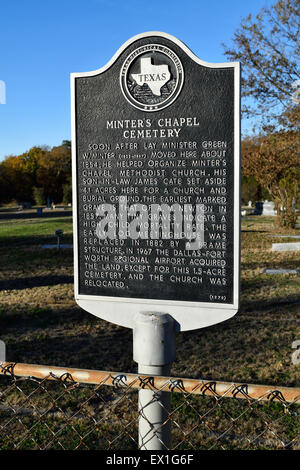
{"x": 41, "y": 323}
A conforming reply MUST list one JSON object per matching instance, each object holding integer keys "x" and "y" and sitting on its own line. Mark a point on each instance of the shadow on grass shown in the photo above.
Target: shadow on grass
{"x": 274, "y": 264}
{"x": 263, "y": 305}
{"x": 18, "y": 241}
{"x": 255, "y": 231}
{"x": 34, "y": 215}
{"x": 35, "y": 281}
{"x": 68, "y": 341}
{"x": 80, "y": 351}
{"x": 64, "y": 337}
{"x": 269, "y": 280}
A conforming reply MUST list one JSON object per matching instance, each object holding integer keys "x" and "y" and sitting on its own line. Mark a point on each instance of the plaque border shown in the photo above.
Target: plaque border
{"x": 188, "y": 314}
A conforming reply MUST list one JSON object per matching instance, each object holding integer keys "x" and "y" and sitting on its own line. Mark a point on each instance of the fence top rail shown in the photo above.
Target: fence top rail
{"x": 218, "y": 389}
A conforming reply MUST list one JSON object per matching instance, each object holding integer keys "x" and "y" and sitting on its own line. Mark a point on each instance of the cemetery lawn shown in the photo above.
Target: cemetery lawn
{"x": 41, "y": 323}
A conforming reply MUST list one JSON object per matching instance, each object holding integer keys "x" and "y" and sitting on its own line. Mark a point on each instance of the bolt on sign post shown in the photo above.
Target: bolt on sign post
{"x": 156, "y": 191}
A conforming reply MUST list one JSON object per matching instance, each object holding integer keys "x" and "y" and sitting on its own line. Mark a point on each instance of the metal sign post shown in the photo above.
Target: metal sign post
{"x": 154, "y": 349}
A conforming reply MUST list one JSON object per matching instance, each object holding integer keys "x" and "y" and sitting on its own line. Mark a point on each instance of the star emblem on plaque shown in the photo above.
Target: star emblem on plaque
{"x": 151, "y": 77}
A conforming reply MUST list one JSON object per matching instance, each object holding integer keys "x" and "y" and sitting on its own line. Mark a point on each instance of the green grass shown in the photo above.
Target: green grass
{"x": 34, "y": 228}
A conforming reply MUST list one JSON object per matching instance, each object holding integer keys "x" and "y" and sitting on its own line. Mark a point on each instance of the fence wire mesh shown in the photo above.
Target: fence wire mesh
{"x": 54, "y": 408}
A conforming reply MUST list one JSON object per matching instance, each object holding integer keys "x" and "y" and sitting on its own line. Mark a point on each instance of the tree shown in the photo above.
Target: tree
{"x": 18, "y": 175}
{"x": 268, "y": 49}
{"x": 53, "y": 171}
{"x": 67, "y": 191}
{"x": 274, "y": 162}
{"x": 39, "y": 196}
{"x": 45, "y": 169}
{"x": 66, "y": 143}
{"x": 16, "y": 178}
{"x": 252, "y": 190}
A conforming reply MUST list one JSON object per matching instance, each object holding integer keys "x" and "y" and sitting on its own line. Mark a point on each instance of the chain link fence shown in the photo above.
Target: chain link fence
{"x": 44, "y": 407}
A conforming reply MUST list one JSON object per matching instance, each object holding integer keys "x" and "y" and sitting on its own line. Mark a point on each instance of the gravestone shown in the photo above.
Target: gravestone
{"x": 156, "y": 176}
{"x": 281, "y": 271}
{"x": 264, "y": 208}
{"x": 268, "y": 208}
{"x": 286, "y": 246}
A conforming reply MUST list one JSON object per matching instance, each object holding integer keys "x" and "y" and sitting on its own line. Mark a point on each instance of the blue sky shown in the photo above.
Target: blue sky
{"x": 42, "y": 42}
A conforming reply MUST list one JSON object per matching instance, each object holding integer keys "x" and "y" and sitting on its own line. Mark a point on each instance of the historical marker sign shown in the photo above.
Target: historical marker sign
{"x": 156, "y": 178}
